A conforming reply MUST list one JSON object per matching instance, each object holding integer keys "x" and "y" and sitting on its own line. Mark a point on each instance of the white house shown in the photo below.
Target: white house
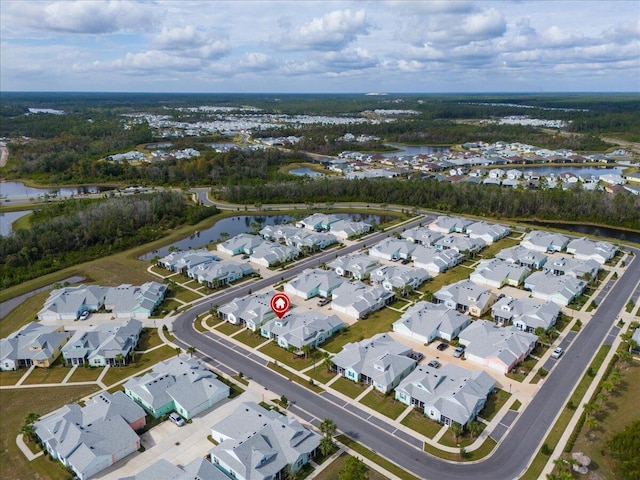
{"x": 357, "y": 266}
{"x": 444, "y": 224}
{"x": 497, "y": 348}
{"x": 251, "y": 311}
{"x": 399, "y": 276}
{"x": 299, "y": 329}
{"x": 181, "y": 262}
{"x": 357, "y": 300}
{"x": 559, "y": 289}
{"x": 392, "y": 249}
{"x": 318, "y": 222}
{"x": 33, "y": 344}
{"x": 421, "y": 235}
{"x": 435, "y": 261}
{"x": 465, "y": 296}
{"x": 346, "y": 229}
{"x": 270, "y": 253}
{"x": 585, "y": 249}
{"x": 427, "y": 321}
{"x": 460, "y": 244}
{"x": 314, "y": 282}
{"x": 496, "y": 273}
{"x": 243, "y": 243}
{"x": 448, "y": 394}
{"x": 525, "y": 313}
{"x": 488, "y": 232}
{"x": 573, "y": 267}
{"x": 379, "y": 361}
{"x": 523, "y": 256}
{"x": 68, "y": 303}
{"x": 215, "y": 274}
{"x": 544, "y": 241}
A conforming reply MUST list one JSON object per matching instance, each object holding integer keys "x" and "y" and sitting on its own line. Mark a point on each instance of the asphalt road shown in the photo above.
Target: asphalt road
{"x": 513, "y": 454}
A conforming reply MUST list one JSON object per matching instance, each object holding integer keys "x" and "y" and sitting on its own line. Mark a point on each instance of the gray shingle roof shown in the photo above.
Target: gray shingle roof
{"x": 33, "y": 341}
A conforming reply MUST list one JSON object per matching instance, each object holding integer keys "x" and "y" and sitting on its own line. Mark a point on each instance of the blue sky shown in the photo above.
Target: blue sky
{"x": 328, "y": 46}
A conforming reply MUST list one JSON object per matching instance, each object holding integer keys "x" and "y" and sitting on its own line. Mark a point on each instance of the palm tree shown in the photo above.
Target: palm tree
{"x": 27, "y": 429}
{"x": 119, "y": 358}
{"x": 178, "y": 350}
{"x": 307, "y": 348}
{"x": 328, "y": 427}
{"x": 191, "y": 351}
{"x": 590, "y": 409}
{"x": 456, "y": 429}
{"x": 326, "y": 446}
{"x": 591, "y": 423}
{"x": 474, "y": 428}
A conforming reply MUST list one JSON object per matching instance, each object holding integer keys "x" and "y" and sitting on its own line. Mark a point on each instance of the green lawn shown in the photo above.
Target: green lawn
{"x": 15, "y": 405}
{"x": 450, "y": 276}
{"x": 22, "y": 315}
{"x": 11, "y": 377}
{"x": 86, "y": 374}
{"x": 252, "y": 339}
{"x": 115, "y": 374}
{"x": 385, "y": 404}
{"x": 495, "y": 402}
{"x": 227, "y": 328}
{"x": 375, "y": 458}
{"x": 349, "y": 388}
{"x": 149, "y": 338}
{"x": 183, "y": 294}
{"x": 321, "y": 374}
{"x": 54, "y": 374}
{"x": 494, "y": 248}
{"x": 485, "y": 449}
{"x": 331, "y": 472}
{"x": 294, "y": 378}
{"x": 449, "y": 439}
{"x": 283, "y": 356}
{"x": 377, "y": 322}
{"x": 417, "y": 421}
{"x": 516, "y": 405}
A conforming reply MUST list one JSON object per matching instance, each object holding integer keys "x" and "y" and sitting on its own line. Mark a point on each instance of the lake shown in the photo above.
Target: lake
{"x": 20, "y": 190}
{"x": 6, "y": 219}
{"x": 579, "y": 171}
{"x": 242, "y": 224}
{"x": 411, "y": 150}
{"x": 305, "y": 171}
{"x": 609, "y": 232}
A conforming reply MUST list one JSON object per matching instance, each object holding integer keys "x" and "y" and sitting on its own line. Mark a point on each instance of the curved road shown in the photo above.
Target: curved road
{"x": 513, "y": 454}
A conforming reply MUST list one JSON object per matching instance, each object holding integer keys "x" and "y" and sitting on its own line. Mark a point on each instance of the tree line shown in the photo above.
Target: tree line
{"x": 61, "y": 236}
{"x": 550, "y": 204}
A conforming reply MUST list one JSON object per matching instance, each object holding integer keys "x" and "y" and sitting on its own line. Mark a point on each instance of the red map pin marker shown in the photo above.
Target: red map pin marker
{"x": 280, "y": 304}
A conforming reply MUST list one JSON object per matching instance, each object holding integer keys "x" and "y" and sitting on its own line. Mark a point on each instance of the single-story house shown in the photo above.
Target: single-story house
{"x": 257, "y": 443}
{"x": 68, "y": 303}
{"x": 318, "y": 222}
{"x": 106, "y": 344}
{"x": 488, "y": 232}
{"x": 399, "y": 276}
{"x": 460, "y": 244}
{"x": 180, "y": 384}
{"x": 182, "y": 261}
{"x": 129, "y": 301}
{"x": 572, "y": 267}
{"x": 251, "y": 311}
{"x": 496, "y": 273}
{"x": 421, "y": 235}
{"x": 32, "y": 345}
{"x": 498, "y": 348}
{"x": 199, "y": 468}
{"x": 313, "y": 241}
{"x": 345, "y": 229}
{"x": 243, "y": 243}
{"x": 448, "y": 394}
{"x": 544, "y": 241}
{"x": 269, "y": 253}
{"x": 426, "y": 321}
{"x": 92, "y": 438}
{"x": 379, "y": 361}
{"x": 435, "y": 261}
{"x": 444, "y": 224}
{"x": 559, "y": 289}
{"x": 466, "y": 297}
{"x": 520, "y": 255}
{"x": 314, "y": 282}
{"x": 357, "y": 266}
{"x": 525, "y": 313}
{"x": 215, "y": 274}
{"x": 299, "y": 329}
{"x": 357, "y": 300}
{"x": 585, "y": 249}
{"x": 278, "y": 232}
{"x": 392, "y": 249}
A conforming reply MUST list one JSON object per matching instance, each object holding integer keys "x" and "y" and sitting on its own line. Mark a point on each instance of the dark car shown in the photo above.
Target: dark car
{"x": 434, "y": 364}
{"x": 442, "y": 346}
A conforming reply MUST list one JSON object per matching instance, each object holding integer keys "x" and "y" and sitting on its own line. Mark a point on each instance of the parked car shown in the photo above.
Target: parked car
{"x": 442, "y": 346}
{"x": 557, "y": 353}
{"x": 84, "y": 315}
{"x": 177, "y": 419}
{"x": 458, "y": 352}
{"x": 323, "y": 302}
{"x": 417, "y": 356}
{"x": 434, "y": 364}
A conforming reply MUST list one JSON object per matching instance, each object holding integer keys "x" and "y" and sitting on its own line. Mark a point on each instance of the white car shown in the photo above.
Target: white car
{"x": 557, "y": 353}
{"x": 84, "y": 315}
{"x": 177, "y": 419}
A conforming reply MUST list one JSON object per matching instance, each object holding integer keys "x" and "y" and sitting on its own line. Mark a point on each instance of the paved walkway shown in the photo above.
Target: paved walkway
{"x": 24, "y": 448}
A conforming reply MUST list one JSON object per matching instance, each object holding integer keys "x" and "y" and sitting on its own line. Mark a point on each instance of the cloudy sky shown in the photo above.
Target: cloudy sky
{"x": 320, "y": 46}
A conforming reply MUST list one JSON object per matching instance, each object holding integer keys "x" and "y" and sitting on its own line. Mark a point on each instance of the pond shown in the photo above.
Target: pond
{"x": 245, "y": 224}
{"x": 579, "y": 171}
{"x": 6, "y": 219}
{"x": 411, "y": 150}
{"x": 12, "y": 190}
{"x": 609, "y": 232}
{"x": 305, "y": 171}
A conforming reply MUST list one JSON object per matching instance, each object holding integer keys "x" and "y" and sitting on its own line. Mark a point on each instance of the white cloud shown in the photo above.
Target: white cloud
{"x": 332, "y": 31}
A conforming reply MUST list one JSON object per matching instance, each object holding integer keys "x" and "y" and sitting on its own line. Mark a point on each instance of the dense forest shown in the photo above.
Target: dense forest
{"x": 65, "y": 233}
{"x": 496, "y": 202}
